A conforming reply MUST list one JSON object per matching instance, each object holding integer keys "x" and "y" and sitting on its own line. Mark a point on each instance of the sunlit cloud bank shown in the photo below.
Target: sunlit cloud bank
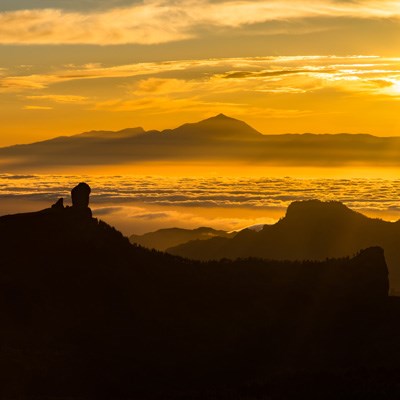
{"x": 160, "y": 21}
{"x": 138, "y": 204}
{"x": 224, "y": 192}
{"x": 62, "y": 99}
{"x": 146, "y": 85}
{"x": 264, "y": 74}
{"x": 300, "y": 93}
{"x": 141, "y": 219}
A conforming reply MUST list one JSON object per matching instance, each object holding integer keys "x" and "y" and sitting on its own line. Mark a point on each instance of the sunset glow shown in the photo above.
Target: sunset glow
{"x": 328, "y": 66}
{"x": 317, "y": 66}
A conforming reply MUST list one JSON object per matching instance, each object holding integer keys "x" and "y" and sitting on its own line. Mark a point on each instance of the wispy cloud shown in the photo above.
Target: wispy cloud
{"x": 236, "y": 86}
{"x": 260, "y": 69}
{"x": 95, "y": 71}
{"x": 161, "y": 21}
{"x": 37, "y": 108}
{"x": 167, "y": 104}
{"x": 60, "y": 98}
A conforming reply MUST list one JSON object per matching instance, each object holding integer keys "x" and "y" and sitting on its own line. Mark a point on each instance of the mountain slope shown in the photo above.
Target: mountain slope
{"x": 165, "y": 238}
{"x": 217, "y": 139}
{"x": 85, "y": 314}
{"x": 311, "y": 230}
{"x": 219, "y": 127}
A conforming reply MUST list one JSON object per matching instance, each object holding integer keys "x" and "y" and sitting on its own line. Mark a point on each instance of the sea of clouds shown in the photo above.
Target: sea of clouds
{"x": 141, "y": 203}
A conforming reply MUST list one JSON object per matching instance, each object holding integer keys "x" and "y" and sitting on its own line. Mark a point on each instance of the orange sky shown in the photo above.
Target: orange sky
{"x": 282, "y": 66}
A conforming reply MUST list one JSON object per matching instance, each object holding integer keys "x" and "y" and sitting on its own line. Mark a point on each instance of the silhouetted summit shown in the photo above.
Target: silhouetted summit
{"x": 216, "y": 139}
{"x": 214, "y": 129}
{"x": 80, "y": 199}
{"x": 86, "y": 314}
{"x": 310, "y": 230}
{"x": 221, "y": 116}
{"x": 319, "y": 210}
{"x": 80, "y": 195}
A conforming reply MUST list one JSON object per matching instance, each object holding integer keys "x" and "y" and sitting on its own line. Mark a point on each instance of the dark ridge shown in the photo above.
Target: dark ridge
{"x": 317, "y": 209}
{"x": 166, "y": 238}
{"x": 310, "y": 230}
{"x": 220, "y": 117}
{"x": 219, "y": 139}
{"x": 216, "y": 127}
{"x": 87, "y": 315}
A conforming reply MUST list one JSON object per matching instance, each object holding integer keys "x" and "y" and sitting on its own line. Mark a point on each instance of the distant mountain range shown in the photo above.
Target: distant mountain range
{"x": 311, "y": 230}
{"x": 171, "y": 237}
{"x": 217, "y": 139}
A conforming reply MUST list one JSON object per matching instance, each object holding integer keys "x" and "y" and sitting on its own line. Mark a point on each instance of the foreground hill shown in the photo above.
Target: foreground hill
{"x": 85, "y": 314}
{"x": 217, "y": 139}
{"x": 310, "y": 230}
{"x": 170, "y": 237}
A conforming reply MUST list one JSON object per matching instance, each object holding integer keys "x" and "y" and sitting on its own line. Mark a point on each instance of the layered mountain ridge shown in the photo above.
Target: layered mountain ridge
{"x": 310, "y": 230}
{"x": 86, "y": 314}
{"x": 163, "y": 239}
{"x": 218, "y": 139}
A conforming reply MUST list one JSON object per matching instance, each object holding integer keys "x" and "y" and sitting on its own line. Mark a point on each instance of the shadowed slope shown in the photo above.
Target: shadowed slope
{"x": 86, "y": 314}
{"x": 165, "y": 238}
{"x": 216, "y": 128}
{"x": 311, "y": 230}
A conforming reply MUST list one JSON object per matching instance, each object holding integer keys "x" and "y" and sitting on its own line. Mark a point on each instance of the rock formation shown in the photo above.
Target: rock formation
{"x": 58, "y": 205}
{"x": 80, "y": 195}
{"x": 80, "y": 200}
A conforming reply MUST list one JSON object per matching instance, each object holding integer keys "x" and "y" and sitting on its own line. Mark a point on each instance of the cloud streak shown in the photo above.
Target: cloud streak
{"x": 274, "y": 94}
{"x": 59, "y": 98}
{"x": 264, "y": 74}
{"x": 94, "y": 71}
{"x": 162, "y": 21}
{"x": 32, "y": 107}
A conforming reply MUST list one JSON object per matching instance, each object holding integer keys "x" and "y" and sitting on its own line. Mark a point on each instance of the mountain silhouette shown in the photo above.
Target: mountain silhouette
{"x": 310, "y": 230}
{"x": 162, "y": 239}
{"x": 86, "y": 314}
{"x": 219, "y": 127}
{"x": 216, "y": 139}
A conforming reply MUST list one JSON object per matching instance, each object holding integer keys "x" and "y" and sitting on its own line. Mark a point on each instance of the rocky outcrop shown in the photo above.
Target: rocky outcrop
{"x": 58, "y": 205}
{"x": 80, "y": 195}
{"x": 80, "y": 201}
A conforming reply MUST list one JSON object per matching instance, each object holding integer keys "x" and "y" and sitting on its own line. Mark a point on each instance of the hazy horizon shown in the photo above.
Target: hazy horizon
{"x": 321, "y": 67}
{"x": 138, "y": 125}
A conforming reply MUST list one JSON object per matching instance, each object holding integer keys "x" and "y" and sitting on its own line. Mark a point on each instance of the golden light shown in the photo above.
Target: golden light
{"x": 394, "y": 89}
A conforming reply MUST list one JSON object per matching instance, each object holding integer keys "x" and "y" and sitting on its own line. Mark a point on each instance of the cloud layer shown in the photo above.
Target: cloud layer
{"x": 161, "y": 21}
{"x": 261, "y": 74}
{"x": 138, "y": 204}
{"x": 279, "y": 88}
{"x": 212, "y": 192}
